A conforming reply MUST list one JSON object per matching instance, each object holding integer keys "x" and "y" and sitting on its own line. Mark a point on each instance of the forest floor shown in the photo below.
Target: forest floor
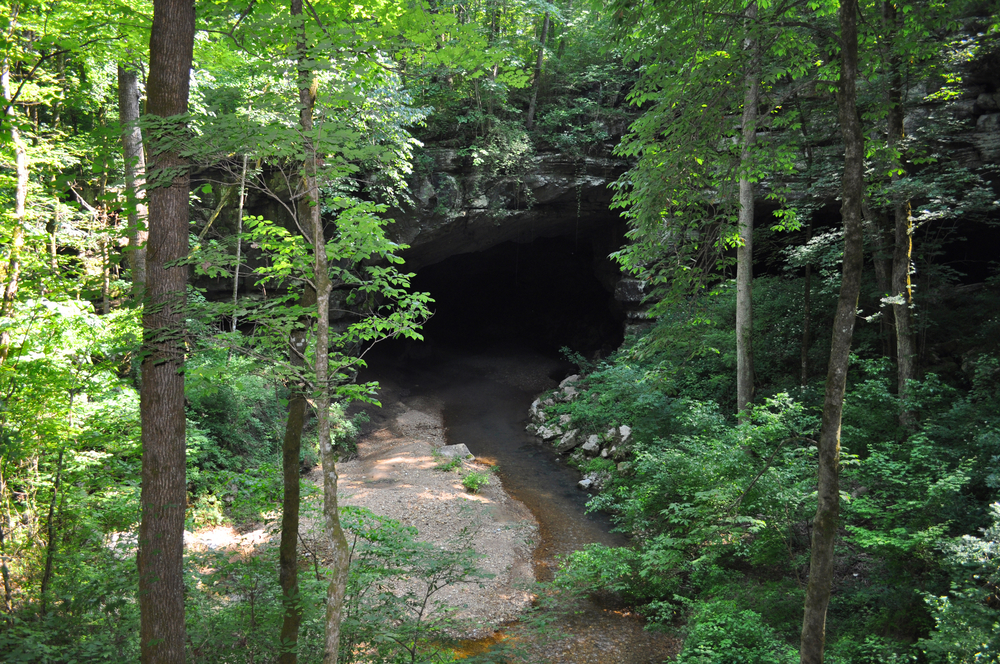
{"x": 394, "y": 476}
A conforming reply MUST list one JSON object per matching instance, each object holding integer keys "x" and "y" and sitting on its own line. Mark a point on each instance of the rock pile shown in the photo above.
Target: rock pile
{"x": 558, "y": 430}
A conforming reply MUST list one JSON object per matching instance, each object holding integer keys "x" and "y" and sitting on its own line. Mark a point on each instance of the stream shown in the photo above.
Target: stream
{"x": 485, "y": 397}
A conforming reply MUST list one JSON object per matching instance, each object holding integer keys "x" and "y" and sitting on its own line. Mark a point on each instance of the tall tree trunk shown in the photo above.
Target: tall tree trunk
{"x": 902, "y": 291}
{"x": 8, "y": 605}
{"x": 52, "y": 227}
{"x": 105, "y": 270}
{"x": 806, "y": 317}
{"x": 161, "y": 531}
{"x": 323, "y": 286}
{"x": 744, "y": 252}
{"x": 239, "y": 241}
{"x": 20, "y": 200}
{"x": 530, "y": 120}
{"x": 880, "y": 234}
{"x": 135, "y": 173}
{"x": 852, "y": 191}
{"x": 291, "y": 448}
{"x": 50, "y": 548}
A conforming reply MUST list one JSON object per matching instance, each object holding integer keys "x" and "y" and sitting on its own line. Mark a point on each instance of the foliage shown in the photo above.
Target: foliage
{"x": 453, "y": 464}
{"x": 966, "y": 619}
{"x": 475, "y": 481}
{"x": 717, "y": 507}
{"x": 391, "y": 606}
{"x": 719, "y": 632}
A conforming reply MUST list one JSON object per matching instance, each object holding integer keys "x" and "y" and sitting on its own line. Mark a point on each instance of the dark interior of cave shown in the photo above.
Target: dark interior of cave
{"x": 543, "y": 295}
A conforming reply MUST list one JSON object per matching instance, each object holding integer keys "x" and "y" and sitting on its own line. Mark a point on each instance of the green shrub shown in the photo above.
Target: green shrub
{"x": 449, "y": 465}
{"x": 206, "y": 511}
{"x": 720, "y": 633}
{"x": 475, "y": 481}
{"x": 967, "y": 620}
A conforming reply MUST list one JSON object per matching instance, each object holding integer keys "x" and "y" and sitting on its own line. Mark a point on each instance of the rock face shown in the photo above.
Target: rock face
{"x": 457, "y": 209}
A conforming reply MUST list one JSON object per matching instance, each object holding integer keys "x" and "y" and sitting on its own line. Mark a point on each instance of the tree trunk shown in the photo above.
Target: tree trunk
{"x": 852, "y": 191}
{"x": 806, "y": 316}
{"x": 135, "y": 174}
{"x": 321, "y": 275}
{"x": 881, "y": 234}
{"x": 20, "y": 200}
{"x": 291, "y": 448}
{"x": 239, "y": 241}
{"x": 744, "y": 252}
{"x": 902, "y": 290}
{"x": 161, "y": 531}
{"x": 530, "y": 120}
{"x": 8, "y": 604}
{"x": 52, "y": 227}
{"x": 50, "y": 549}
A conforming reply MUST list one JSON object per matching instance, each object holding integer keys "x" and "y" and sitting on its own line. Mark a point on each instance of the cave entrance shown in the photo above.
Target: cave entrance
{"x": 544, "y": 295}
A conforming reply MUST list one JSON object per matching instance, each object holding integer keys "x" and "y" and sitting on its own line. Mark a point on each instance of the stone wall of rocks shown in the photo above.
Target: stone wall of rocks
{"x": 558, "y": 430}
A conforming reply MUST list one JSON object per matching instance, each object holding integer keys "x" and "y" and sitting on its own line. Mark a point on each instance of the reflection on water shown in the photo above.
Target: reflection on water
{"x": 486, "y": 398}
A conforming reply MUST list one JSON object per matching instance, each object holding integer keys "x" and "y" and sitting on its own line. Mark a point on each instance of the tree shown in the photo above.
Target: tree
{"x": 852, "y": 192}
{"x": 744, "y": 250}
{"x": 164, "y": 494}
{"x": 530, "y": 120}
{"x": 690, "y": 195}
{"x": 135, "y": 170}
{"x": 9, "y": 118}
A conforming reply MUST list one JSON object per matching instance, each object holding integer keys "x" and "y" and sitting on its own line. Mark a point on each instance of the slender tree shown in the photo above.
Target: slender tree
{"x": 529, "y": 121}
{"x": 13, "y": 272}
{"x": 291, "y": 449}
{"x": 163, "y": 496}
{"x": 135, "y": 172}
{"x": 852, "y": 192}
{"x": 308, "y": 85}
{"x": 902, "y": 226}
{"x": 744, "y": 251}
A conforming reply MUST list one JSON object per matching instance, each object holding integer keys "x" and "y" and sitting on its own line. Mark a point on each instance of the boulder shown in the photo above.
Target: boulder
{"x": 548, "y": 433}
{"x": 624, "y": 467}
{"x": 624, "y": 431}
{"x": 585, "y": 483}
{"x": 595, "y": 481}
{"x": 460, "y": 451}
{"x": 565, "y": 419}
{"x": 568, "y": 442}
{"x": 567, "y": 394}
{"x": 567, "y": 380}
{"x": 605, "y": 453}
{"x": 536, "y": 412}
{"x": 592, "y": 446}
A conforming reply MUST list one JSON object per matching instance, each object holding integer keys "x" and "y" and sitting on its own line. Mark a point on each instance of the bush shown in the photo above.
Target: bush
{"x": 475, "y": 481}
{"x": 720, "y": 633}
{"x": 967, "y": 619}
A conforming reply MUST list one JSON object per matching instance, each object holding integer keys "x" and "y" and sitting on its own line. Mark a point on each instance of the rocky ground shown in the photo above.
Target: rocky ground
{"x": 394, "y": 476}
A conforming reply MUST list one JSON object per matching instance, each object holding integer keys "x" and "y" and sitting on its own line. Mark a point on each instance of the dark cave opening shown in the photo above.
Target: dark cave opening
{"x": 543, "y": 294}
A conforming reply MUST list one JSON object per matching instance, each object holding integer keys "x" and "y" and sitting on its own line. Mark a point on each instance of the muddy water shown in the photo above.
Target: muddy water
{"x": 485, "y": 397}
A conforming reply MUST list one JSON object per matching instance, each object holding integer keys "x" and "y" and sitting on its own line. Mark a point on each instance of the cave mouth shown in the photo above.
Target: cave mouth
{"x": 543, "y": 295}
